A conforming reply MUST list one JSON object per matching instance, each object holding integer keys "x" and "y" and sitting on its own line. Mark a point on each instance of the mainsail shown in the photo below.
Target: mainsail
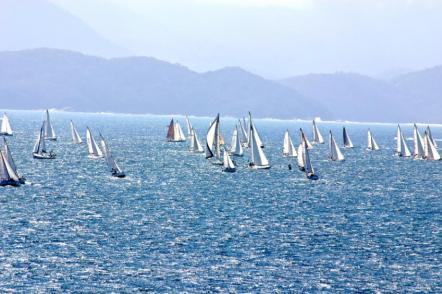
{"x": 288, "y": 149}
{"x": 347, "y": 141}
{"x": 430, "y": 136}
{"x": 111, "y": 163}
{"x": 317, "y": 137}
{"x": 195, "y": 145}
{"x": 308, "y": 168}
{"x": 244, "y": 138}
{"x": 372, "y": 145}
{"x": 258, "y": 160}
{"x": 93, "y": 149}
{"x": 175, "y": 133}
{"x": 401, "y": 145}
{"x": 7, "y": 174}
{"x": 76, "y": 139}
{"x": 8, "y": 157}
{"x": 419, "y": 150}
{"x": 228, "y": 164}
{"x": 40, "y": 145}
{"x": 189, "y": 126}
{"x": 335, "y": 152}
{"x": 236, "y": 148}
{"x": 257, "y": 137}
{"x": 213, "y": 140}
{"x": 49, "y": 133}
{"x": 430, "y": 152}
{"x": 5, "y": 128}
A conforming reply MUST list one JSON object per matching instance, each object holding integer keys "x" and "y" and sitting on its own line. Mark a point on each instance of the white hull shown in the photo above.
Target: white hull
{"x": 259, "y": 167}
{"x": 43, "y": 156}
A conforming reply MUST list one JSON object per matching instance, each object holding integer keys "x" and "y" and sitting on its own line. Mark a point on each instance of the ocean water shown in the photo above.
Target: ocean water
{"x": 178, "y": 224}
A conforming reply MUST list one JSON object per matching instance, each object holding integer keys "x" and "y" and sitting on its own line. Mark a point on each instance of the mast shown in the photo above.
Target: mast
{"x": 317, "y": 137}
{"x": 347, "y": 141}
{"x": 335, "y": 152}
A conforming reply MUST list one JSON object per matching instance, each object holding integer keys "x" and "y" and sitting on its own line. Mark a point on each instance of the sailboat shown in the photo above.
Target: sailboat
{"x": 430, "y": 136}
{"x": 335, "y": 152}
{"x": 372, "y": 145}
{"x": 228, "y": 165}
{"x": 244, "y": 138}
{"x": 92, "y": 147}
{"x": 8, "y": 157}
{"x": 347, "y": 141}
{"x": 305, "y": 160}
{"x": 175, "y": 133}
{"x": 430, "y": 150}
{"x": 236, "y": 148}
{"x": 258, "y": 160}
{"x": 76, "y": 139}
{"x": 288, "y": 150}
{"x": 39, "y": 151}
{"x": 401, "y": 145}
{"x": 257, "y": 137}
{"x": 49, "y": 133}
{"x": 7, "y": 175}
{"x": 114, "y": 168}
{"x": 419, "y": 150}
{"x": 317, "y": 137}
{"x": 189, "y": 127}
{"x": 213, "y": 148}
{"x": 5, "y": 128}
{"x": 195, "y": 145}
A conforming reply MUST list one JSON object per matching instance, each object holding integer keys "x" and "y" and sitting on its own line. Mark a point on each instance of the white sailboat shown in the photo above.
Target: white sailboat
{"x": 8, "y": 157}
{"x": 372, "y": 145}
{"x": 430, "y": 150}
{"x": 5, "y": 128}
{"x": 335, "y": 152}
{"x": 114, "y": 168}
{"x": 40, "y": 151}
{"x": 306, "y": 163}
{"x": 92, "y": 147}
{"x": 244, "y": 138}
{"x": 175, "y": 133}
{"x": 347, "y": 141}
{"x": 258, "y": 160}
{"x": 257, "y": 137}
{"x": 195, "y": 145}
{"x": 235, "y": 147}
{"x": 317, "y": 137}
{"x": 213, "y": 148}
{"x": 401, "y": 145}
{"x": 288, "y": 150}
{"x": 431, "y": 136}
{"x": 301, "y": 156}
{"x": 7, "y": 175}
{"x": 419, "y": 150}
{"x": 76, "y": 139}
{"x": 189, "y": 127}
{"x": 49, "y": 133}
{"x": 228, "y": 165}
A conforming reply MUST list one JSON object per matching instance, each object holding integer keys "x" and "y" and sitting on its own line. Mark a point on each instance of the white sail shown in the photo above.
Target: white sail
{"x": 317, "y": 137}
{"x": 8, "y": 157}
{"x": 372, "y": 145}
{"x": 213, "y": 140}
{"x": 347, "y": 141}
{"x": 335, "y": 152}
{"x": 244, "y": 138}
{"x": 189, "y": 126}
{"x": 179, "y": 135}
{"x": 288, "y": 149}
{"x": 419, "y": 151}
{"x": 195, "y": 145}
{"x": 301, "y": 155}
{"x": 307, "y": 163}
{"x": 398, "y": 140}
{"x": 227, "y": 162}
{"x": 401, "y": 145}
{"x": 5, "y": 128}
{"x": 258, "y": 159}
{"x": 40, "y": 145}
{"x": 93, "y": 149}
{"x": 6, "y": 171}
{"x": 76, "y": 139}
{"x": 431, "y": 136}
{"x": 431, "y": 152}
{"x": 236, "y": 148}
{"x": 111, "y": 163}
{"x": 257, "y": 137}
{"x": 49, "y": 132}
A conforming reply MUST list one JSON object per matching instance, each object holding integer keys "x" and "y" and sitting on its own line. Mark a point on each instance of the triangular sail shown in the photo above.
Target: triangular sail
{"x": 6, "y": 171}
{"x": 335, "y": 152}
{"x": 401, "y": 145}
{"x": 92, "y": 146}
{"x": 257, "y": 137}
{"x": 49, "y": 130}
{"x": 76, "y": 139}
{"x": 347, "y": 141}
{"x": 301, "y": 155}
{"x": 431, "y": 152}
{"x": 288, "y": 149}
{"x": 195, "y": 145}
{"x": 244, "y": 138}
{"x": 236, "y": 148}
{"x": 189, "y": 126}
{"x": 430, "y": 136}
{"x": 308, "y": 168}
{"x": 371, "y": 145}
{"x": 227, "y": 161}
{"x": 171, "y": 130}
{"x": 212, "y": 140}
{"x": 40, "y": 145}
{"x": 111, "y": 163}
{"x": 419, "y": 151}
{"x": 8, "y": 156}
{"x": 258, "y": 157}
{"x": 5, "y": 128}
{"x": 317, "y": 137}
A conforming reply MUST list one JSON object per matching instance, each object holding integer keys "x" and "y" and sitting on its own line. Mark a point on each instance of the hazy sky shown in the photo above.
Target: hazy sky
{"x": 274, "y": 38}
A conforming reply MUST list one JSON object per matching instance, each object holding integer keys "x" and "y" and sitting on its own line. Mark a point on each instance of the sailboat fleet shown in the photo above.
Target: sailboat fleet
{"x": 245, "y": 135}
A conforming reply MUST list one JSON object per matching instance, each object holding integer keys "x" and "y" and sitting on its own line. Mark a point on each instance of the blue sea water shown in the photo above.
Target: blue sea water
{"x": 178, "y": 224}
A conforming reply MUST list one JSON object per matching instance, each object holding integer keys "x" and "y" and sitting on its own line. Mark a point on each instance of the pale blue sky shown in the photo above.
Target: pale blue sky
{"x": 274, "y": 38}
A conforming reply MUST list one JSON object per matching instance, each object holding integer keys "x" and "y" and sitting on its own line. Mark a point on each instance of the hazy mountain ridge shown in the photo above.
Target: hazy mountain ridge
{"x": 44, "y": 78}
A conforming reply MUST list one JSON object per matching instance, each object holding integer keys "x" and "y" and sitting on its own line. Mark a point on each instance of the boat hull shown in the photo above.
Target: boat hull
{"x": 51, "y": 139}
{"x": 259, "y": 166}
{"x": 10, "y": 183}
{"x": 94, "y": 156}
{"x": 176, "y": 141}
{"x": 312, "y": 177}
{"x": 43, "y": 156}
{"x": 119, "y": 175}
{"x": 6, "y": 134}
{"x": 229, "y": 170}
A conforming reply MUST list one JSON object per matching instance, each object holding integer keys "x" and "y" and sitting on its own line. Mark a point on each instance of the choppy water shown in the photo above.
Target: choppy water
{"x": 177, "y": 223}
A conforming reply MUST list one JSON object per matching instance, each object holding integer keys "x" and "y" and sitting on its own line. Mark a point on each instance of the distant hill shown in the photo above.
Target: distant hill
{"x": 46, "y": 78}
{"x": 39, "y": 23}
{"x": 360, "y": 98}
